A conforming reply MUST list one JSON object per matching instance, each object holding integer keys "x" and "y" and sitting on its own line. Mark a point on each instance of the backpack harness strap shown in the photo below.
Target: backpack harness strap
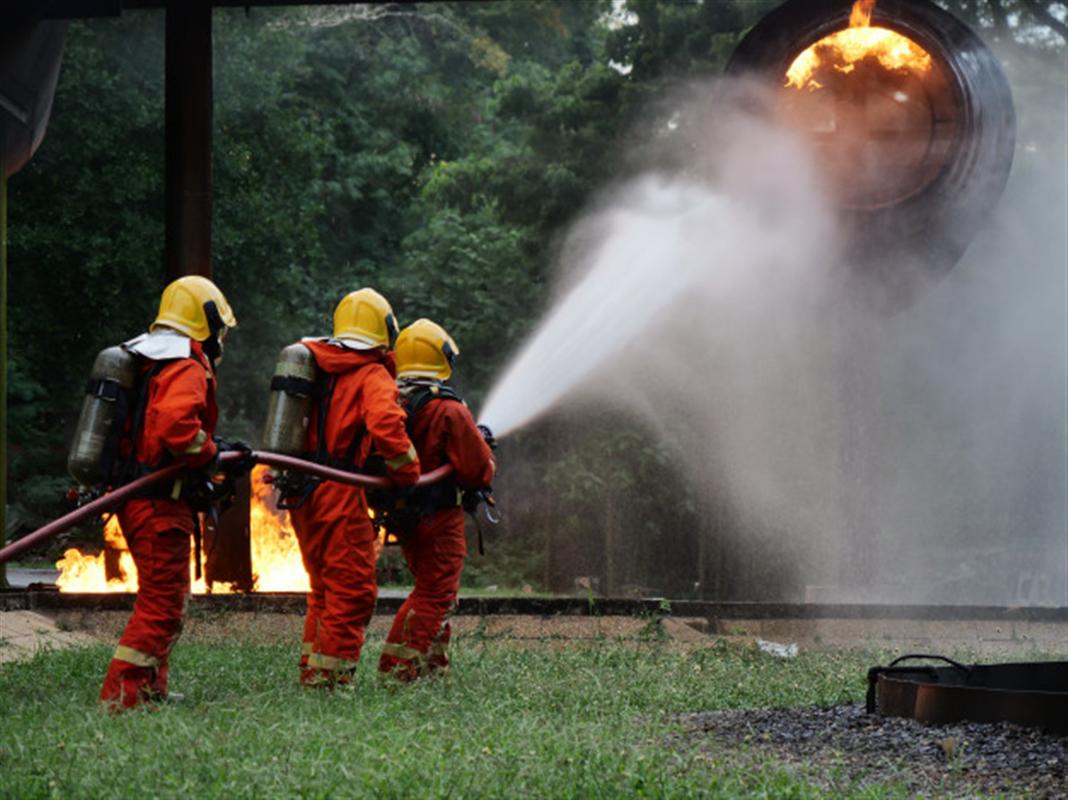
{"x": 296, "y": 489}
{"x": 124, "y": 470}
{"x": 399, "y": 511}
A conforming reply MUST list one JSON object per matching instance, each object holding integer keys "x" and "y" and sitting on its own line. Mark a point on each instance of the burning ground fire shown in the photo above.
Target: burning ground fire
{"x": 842, "y": 50}
{"x": 276, "y": 563}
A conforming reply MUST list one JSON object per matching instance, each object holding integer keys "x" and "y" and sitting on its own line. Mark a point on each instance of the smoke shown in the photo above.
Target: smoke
{"x": 909, "y": 457}
{"x": 661, "y": 256}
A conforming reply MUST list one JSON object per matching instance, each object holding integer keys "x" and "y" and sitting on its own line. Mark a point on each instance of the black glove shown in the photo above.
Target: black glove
{"x": 488, "y": 436}
{"x": 239, "y": 466}
{"x": 204, "y": 488}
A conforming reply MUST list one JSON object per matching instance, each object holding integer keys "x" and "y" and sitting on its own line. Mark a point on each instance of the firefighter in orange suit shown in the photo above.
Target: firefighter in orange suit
{"x": 444, "y": 432}
{"x": 173, "y": 420}
{"x": 358, "y": 410}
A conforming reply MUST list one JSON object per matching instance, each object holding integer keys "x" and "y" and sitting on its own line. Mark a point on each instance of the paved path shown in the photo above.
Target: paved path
{"x": 19, "y": 578}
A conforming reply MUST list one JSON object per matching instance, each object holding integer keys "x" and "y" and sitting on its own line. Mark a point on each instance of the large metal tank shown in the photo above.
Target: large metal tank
{"x": 916, "y": 153}
{"x": 30, "y": 55}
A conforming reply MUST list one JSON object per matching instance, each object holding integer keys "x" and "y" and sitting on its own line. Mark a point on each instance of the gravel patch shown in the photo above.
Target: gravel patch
{"x": 960, "y": 760}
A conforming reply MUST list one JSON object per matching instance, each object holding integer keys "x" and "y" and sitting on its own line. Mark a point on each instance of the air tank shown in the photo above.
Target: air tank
{"x": 292, "y": 390}
{"x": 916, "y": 145}
{"x": 114, "y": 374}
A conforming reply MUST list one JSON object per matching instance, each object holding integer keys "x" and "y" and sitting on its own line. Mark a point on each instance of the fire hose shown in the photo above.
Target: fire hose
{"x": 115, "y": 498}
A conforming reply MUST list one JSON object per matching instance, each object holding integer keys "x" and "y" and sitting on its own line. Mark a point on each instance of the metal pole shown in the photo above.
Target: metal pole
{"x": 3, "y": 356}
{"x": 188, "y": 119}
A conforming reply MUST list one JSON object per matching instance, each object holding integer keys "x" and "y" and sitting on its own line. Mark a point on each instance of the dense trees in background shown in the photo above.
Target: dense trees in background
{"x": 435, "y": 151}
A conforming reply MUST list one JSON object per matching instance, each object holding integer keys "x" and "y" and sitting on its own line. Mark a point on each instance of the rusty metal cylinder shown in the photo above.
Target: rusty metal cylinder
{"x": 114, "y": 374}
{"x": 915, "y": 158}
{"x": 293, "y": 388}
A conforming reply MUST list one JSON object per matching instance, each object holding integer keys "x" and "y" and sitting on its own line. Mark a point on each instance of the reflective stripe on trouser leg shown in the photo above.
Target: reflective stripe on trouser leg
{"x": 437, "y": 555}
{"x": 135, "y": 657}
{"x": 327, "y": 671}
{"x": 402, "y": 660}
{"x": 438, "y": 654}
{"x": 349, "y": 589}
{"x": 330, "y": 663}
{"x": 139, "y": 670}
{"x": 398, "y": 658}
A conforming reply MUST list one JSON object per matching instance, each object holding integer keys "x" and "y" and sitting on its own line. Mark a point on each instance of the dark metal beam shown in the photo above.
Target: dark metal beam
{"x": 31, "y": 10}
{"x": 188, "y": 119}
{"x": 3, "y": 352}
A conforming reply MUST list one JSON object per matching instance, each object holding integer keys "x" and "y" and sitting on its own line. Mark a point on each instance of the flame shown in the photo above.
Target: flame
{"x": 276, "y": 562}
{"x": 860, "y": 15}
{"x": 81, "y": 572}
{"x": 842, "y": 50}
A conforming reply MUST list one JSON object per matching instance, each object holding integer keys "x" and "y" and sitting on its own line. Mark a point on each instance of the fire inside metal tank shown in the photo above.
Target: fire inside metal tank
{"x": 910, "y": 118}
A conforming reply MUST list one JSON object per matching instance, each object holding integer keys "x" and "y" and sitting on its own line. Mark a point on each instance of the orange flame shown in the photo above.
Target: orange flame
{"x": 842, "y": 50}
{"x": 860, "y": 15}
{"x": 276, "y": 562}
{"x": 81, "y": 572}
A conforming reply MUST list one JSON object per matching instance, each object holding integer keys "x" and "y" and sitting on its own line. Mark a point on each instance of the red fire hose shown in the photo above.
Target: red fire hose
{"x": 115, "y": 498}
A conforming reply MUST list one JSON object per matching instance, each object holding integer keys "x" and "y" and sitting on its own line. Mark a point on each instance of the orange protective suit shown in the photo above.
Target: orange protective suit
{"x": 179, "y": 420}
{"x": 443, "y": 432}
{"x": 337, "y": 539}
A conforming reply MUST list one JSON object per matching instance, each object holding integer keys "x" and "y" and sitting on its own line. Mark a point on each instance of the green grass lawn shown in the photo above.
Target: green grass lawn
{"x": 554, "y": 720}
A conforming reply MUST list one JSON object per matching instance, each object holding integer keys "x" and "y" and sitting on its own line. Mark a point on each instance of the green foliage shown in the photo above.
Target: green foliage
{"x": 586, "y": 721}
{"x": 437, "y": 151}
{"x": 349, "y": 150}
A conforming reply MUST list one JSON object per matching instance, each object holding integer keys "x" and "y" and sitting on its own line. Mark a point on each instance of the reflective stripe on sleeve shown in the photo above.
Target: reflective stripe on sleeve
{"x": 135, "y": 657}
{"x": 404, "y": 458}
{"x": 198, "y": 444}
{"x": 306, "y": 648}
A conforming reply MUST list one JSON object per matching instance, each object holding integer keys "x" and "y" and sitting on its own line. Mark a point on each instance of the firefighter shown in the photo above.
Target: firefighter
{"x": 173, "y": 420}
{"x": 444, "y": 432}
{"x": 357, "y": 410}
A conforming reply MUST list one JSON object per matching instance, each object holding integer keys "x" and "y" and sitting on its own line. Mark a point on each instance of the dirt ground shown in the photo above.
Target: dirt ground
{"x": 22, "y": 633}
{"x": 277, "y": 628}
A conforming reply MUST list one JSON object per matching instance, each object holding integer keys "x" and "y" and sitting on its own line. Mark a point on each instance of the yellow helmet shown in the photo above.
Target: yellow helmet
{"x": 196, "y": 307}
{"x": 366, "y": 318}
{"x": 425, "y": 350}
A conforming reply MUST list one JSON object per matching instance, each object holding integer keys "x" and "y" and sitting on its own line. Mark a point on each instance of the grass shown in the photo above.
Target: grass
{"x": 556, "y": 720}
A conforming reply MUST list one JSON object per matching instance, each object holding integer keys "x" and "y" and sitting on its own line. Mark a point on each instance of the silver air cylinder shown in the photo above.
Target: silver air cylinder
{"x": 114, "y": 374}
{"x": 292, "y": 389}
